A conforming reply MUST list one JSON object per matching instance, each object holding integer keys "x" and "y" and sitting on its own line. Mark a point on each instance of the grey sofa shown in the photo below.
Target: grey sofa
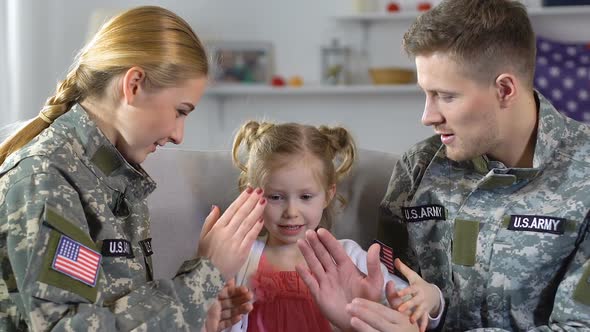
{"x": 189, "y": 182}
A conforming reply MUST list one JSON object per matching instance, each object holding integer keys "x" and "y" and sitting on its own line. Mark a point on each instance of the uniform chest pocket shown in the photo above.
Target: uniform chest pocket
{"x": 123, "y": 262}
{"x": 542, "y": 241}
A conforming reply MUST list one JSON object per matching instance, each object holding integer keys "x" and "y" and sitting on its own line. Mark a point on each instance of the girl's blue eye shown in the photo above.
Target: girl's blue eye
{"x": 273, "y": 197}
{"x": 180, "y": 113}
{"x": 306, "y": 197}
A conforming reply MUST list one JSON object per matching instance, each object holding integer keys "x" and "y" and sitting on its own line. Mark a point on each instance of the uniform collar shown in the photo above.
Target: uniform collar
{"x": 551, "y": 130}
{"x": 101, "y": 155}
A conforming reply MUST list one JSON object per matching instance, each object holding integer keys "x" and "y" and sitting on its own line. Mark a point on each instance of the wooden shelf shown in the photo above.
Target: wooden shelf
{"x": 344, "y": 90}
{"x": 410, "y": 15}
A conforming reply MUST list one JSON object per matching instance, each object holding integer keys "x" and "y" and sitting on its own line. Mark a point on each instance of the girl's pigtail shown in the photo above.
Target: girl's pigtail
{"x": 243, "y": 139}
{"x": 343, "y": 149}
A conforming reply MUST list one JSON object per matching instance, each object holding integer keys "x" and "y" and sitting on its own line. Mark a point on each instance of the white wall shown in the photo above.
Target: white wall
{"x": 51, "y": 32}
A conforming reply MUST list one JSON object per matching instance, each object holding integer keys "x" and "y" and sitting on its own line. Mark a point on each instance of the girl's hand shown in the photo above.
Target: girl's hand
{"x": 420, "y": 299}
{"x": 232, "y": 302}
{"x": 227, "y": 240}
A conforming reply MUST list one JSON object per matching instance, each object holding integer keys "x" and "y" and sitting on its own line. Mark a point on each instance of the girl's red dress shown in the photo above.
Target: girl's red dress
{"x": 283, "y": 303}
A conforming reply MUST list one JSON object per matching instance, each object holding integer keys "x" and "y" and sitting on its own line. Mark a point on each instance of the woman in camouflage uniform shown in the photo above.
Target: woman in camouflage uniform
{"x": 74, "y": 226}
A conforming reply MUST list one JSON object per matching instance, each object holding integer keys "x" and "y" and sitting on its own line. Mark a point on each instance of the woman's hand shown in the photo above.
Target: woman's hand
{"x": 227, "y": 240}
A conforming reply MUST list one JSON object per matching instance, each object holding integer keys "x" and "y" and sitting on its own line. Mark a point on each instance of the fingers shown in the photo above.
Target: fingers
{"x": 213, "y": 317}
{"x": 249, "y": 212}
{"x": 391, "y": 294}
{"x": 423, "y": 323}
{"x": 406, "y": 271}
{"x": 374, "y": 265}
{"x": 376, "y": 315}
{"x": 333, "y": 247}
{"x": 248, "y": 240}
{"x": 311, "y": 259}
{"x": 322, "y": 254}
{"x": 314, "y": 265}
{"x": 227, "y": 323}
{"x": 244, "y": 226}
{"x": 210, "y": 220}
{"x": 417, "y": 298}
{"x": 235, "y": 205}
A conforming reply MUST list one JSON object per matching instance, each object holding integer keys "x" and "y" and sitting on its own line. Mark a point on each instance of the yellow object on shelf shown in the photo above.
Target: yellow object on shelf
{"x": 296, "y": 81}
{"x": 392, "y": 75}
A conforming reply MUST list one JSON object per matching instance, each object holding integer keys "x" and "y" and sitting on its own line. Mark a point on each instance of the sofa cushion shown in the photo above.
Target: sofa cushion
{"x": 189, "y": 182}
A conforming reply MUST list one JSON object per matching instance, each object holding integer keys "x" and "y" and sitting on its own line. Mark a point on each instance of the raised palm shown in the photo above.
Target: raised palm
{"x": 333, "y": 278}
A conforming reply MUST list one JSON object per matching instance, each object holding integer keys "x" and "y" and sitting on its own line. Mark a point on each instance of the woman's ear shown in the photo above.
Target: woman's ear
{"x": 132, "y": 81}
{"x": 330, "y": 193}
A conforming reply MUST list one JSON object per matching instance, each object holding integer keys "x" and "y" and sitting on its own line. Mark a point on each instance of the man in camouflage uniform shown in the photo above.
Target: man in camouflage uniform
{"x": 72, "y": 182}
{"x": 494, "y": 209}
{"x": 508, "y": 246}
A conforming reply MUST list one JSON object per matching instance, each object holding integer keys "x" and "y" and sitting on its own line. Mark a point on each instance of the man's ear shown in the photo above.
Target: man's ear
{"x": 506, "y": 89}
{"x": 330, "y": 193}
{"x": 132, "y": 83}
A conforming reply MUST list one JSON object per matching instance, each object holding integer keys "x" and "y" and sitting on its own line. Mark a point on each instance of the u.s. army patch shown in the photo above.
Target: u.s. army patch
{"x": 534, "y": 223}
{"x": 424, "y": 212}
{"x": 146, "y": 246}
{"x": 116, "y": 248}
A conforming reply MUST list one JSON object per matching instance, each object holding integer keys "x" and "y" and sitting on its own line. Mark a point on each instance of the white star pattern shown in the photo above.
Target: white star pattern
{"x": 572, "y": 106}
{"x": 562, "y": 75}
{"x": 571, "y": 51}
{"x": 542, "y": 60}
{"x": 542, "y": 82}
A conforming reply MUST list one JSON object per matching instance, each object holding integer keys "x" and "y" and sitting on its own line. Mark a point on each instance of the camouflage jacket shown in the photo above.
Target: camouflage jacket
{"x": 70, "y": 191}
{"x": 509, "y": 247}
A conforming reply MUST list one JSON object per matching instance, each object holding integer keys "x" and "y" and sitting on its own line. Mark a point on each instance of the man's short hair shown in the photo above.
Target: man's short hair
{"x": 486, "y": 37}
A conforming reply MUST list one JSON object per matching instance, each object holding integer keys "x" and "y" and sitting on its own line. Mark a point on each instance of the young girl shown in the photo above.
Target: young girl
{"x": 298, "y": 166}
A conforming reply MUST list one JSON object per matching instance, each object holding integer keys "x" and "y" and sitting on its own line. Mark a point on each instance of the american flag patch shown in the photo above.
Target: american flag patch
{"x": 77, "y": 261}
{"x": 386, "y": 256}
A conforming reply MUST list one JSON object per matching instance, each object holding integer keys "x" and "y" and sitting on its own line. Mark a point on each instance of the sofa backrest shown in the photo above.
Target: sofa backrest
{"x": 189, "y": 182}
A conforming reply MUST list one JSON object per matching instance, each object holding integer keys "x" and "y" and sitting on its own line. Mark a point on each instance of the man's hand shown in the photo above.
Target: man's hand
{"x": 333, "y": 279}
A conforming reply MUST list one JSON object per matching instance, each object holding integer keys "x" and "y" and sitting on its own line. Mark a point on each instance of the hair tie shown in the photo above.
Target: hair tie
{"x": 45, "y": 118}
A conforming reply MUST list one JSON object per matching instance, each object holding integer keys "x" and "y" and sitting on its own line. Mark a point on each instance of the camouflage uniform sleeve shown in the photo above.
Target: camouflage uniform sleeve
{"x": 391, "y": 228}
{"x": 58, "y": 304}
{"x": 571, "y": 307}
